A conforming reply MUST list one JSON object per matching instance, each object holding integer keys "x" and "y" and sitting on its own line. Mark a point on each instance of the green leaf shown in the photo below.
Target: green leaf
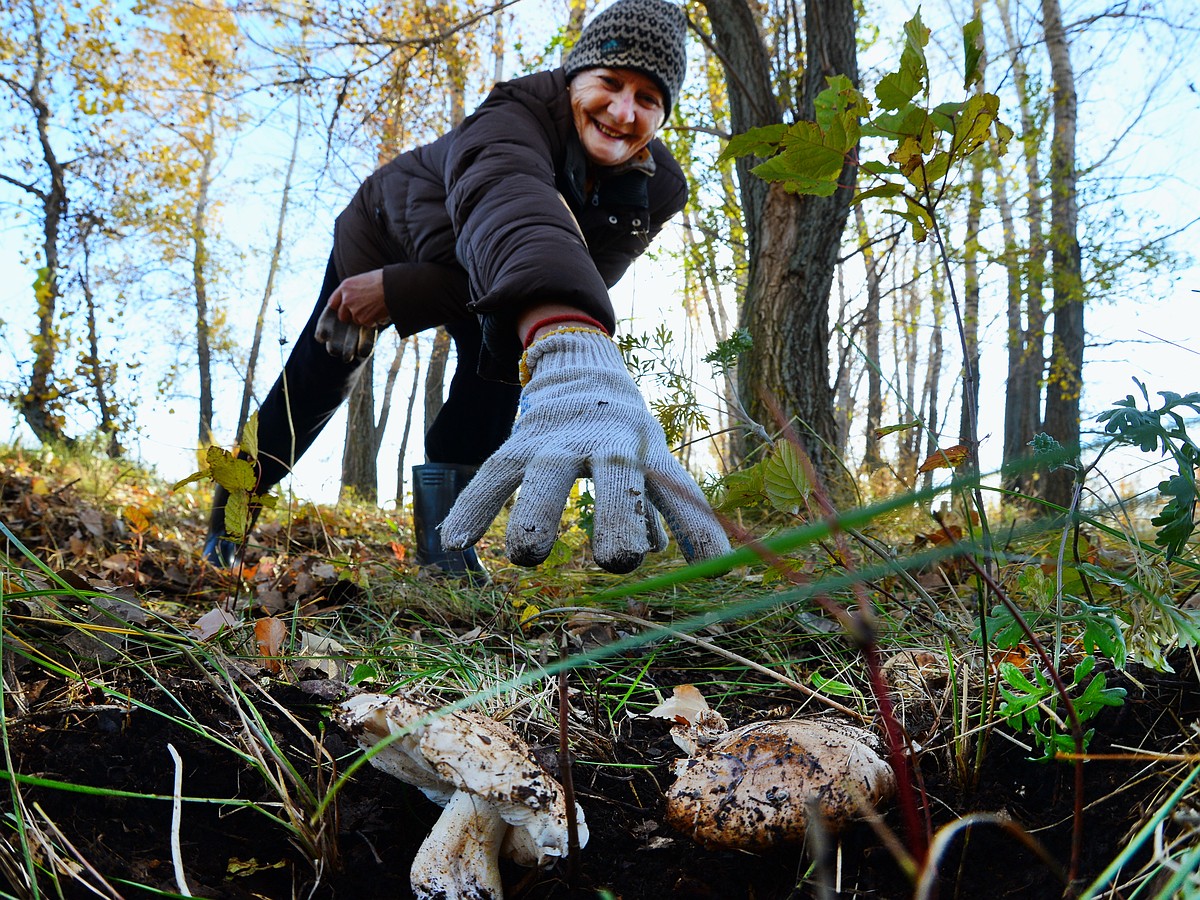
{"x": 237, "y": 514}
{"x": 899, "y": 426}
{"x": 972, "y": 52}
{"x": 898, "y": 88}
{"x": 741, "y": 489}
{"x": 888, "y": 189}
{"x": 229, "y": 471}
{"x": 917, "y": 216}
{"x": 784, "y": 478}
{"x": 202, "y": 475}
{"x": 762, "y": 142}
{"x": 249, "y": 441}
{"x": 974, "y": 124}
{"x": 832, "y": 686}
{"x": 874, "y": 167}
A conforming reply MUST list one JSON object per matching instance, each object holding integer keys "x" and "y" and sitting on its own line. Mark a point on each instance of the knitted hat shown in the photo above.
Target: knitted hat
{"x": 647, "y": 35}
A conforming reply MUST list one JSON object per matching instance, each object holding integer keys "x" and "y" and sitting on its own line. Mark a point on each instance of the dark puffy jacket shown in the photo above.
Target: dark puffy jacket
{"x": 508, "y": 197}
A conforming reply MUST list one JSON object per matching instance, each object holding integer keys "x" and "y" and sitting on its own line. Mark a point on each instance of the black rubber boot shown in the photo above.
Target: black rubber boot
{"x": 435, "y": 488}
{"x": 218, "y": 549}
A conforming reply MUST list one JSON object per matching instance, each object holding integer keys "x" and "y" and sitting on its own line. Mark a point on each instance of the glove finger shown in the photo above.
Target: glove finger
{"x": 686, "y": 510}
{"x": 655, "y": 532}
{"x": 533, "y": 522}
{"x": 480, "y": 502}
{"x": 620, "y": 537}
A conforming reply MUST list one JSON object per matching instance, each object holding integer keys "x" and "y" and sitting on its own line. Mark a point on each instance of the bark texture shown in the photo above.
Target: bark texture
{"x": 793, "y": 240}
{"x": 1065, "y": 381}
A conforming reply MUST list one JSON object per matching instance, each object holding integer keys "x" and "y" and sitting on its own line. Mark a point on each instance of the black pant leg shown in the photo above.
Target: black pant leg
{"x": 304, "y": 398}
{"x": 478, "y": 414}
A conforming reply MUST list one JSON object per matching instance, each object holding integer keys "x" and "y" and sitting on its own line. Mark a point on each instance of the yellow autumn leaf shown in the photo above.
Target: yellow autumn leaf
{"x": 948, "y": 458}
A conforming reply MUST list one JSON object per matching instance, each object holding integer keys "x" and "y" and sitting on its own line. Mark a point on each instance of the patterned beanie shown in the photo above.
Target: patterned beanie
{"x": 647, "y": 35}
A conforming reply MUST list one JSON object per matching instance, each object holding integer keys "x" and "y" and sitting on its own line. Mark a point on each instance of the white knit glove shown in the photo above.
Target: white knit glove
{"x": 345, "y": 340}
{"x": 582, "y": 414}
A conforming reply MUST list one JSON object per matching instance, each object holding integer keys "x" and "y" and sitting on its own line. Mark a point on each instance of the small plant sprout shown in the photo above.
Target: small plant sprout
{"x": 496, "y": 796}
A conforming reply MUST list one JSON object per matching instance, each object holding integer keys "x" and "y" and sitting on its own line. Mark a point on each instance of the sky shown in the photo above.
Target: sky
{"x": 1138, "y": 119}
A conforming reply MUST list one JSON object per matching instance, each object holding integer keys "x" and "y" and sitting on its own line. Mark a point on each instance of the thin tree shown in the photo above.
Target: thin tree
{"x": 1027, "y": 319}
{"x": 1065, "y": 382}
{"x": 272, "y": 271}
{"x": 39, "y": 399}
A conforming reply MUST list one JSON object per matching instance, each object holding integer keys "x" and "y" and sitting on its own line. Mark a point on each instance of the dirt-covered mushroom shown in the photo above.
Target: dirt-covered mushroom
{"x": 494, "y": 792}
{"x": 751, "y": 790}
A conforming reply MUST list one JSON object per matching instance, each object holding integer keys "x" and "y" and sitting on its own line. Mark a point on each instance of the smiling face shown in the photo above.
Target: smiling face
{"x": 617, "y": 112}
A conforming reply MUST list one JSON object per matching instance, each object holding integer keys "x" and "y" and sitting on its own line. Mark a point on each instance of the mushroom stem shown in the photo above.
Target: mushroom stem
{"x": 459, "y": 860}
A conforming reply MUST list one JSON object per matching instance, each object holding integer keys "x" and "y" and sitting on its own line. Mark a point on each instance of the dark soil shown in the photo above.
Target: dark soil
{"x": 59, "y": 733}
{"x": 379, "y": 822}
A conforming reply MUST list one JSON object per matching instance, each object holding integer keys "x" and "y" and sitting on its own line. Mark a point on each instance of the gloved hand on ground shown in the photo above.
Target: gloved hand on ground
{"x": 582, "y": 415}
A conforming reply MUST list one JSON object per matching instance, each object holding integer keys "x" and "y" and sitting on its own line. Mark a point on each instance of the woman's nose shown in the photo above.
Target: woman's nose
{"x": 622, "y": 107}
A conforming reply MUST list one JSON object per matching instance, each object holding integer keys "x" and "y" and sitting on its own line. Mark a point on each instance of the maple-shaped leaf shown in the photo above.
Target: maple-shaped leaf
{"x": 948, "y": 458}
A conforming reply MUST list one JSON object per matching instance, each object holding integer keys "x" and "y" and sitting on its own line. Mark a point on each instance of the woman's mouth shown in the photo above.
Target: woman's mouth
{"x": 608, "y": 132}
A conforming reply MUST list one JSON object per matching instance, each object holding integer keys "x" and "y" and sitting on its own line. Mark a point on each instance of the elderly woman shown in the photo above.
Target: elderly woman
{"x": 508, "y": 231}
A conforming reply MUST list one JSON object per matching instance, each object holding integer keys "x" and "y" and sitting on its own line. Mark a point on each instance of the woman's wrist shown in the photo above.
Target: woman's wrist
{"x": 535, "y": 322}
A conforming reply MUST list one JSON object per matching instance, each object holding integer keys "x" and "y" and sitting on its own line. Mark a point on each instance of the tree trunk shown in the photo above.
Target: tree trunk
{"x": 793, "y": 240}
{"x": 1065, "y": 382}
{"x": 38, "y": 402}
{"x": 272, "y": 271}
{"x": 360, "y": 474}
{"x": 933, "y": 375}
{"x": 199, "y": 235}
{"x": 401, "y": 468}
{"x": 968, "y": 422}
{"x": 435, "y": 376}
{"x": 872, "y": 458}
{"x": 1020, "y": 421}
{"x": 1023, "y": 398}
{"x": 97, "y": 374}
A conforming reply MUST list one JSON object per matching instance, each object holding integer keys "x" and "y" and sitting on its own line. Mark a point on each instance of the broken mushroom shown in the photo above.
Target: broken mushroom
{"x": 494, "y": 792}
{"x": 751, "y": 790}
{"x": 695, "y": 723}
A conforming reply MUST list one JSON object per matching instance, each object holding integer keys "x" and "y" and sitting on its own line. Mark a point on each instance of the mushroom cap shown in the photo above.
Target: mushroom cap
{"x": 751, "y": 790}
{"x": 463, "y": 750}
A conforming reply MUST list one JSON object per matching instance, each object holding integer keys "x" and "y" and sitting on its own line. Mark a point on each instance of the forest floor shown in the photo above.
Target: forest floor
{"x": 93, "y": 714}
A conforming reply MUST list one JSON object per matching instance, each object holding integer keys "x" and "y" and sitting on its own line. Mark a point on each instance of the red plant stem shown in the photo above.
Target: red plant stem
{"x": 1061, "y": 688}
{"x": 862, "y": 630}
{"x": 565, "y": 773}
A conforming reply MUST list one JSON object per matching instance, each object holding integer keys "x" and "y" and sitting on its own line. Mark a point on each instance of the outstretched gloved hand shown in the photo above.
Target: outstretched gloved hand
{"x": 582, "y": 414}
{"x": 345, "y": 340}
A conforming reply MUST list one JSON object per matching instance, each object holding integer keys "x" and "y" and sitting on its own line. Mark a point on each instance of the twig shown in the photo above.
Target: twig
{"x": 176, "y": 817}
{"x": 713, "y": 648}
{"x": 565, "y": 773}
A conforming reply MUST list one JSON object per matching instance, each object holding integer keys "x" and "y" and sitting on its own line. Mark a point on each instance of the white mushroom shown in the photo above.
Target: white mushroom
{"x": 751, "y": 790}
{"x": 494, "y": 791}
